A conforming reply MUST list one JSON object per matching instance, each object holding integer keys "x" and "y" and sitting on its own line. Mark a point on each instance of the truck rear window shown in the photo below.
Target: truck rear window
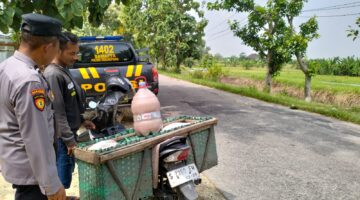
{"x": 100, "y": 52}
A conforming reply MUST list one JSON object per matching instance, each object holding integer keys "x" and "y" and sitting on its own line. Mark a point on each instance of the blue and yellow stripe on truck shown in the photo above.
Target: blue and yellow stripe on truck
{"x": 129, "y": 71}
{"x": 91, "y": 73}
{"x": 94, "y": 72}
{"x": 138, "y": 70}
{"x": 85, "y": 75}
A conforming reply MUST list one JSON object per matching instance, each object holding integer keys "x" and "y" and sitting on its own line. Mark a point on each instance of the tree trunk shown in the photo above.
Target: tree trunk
{"x": 163, "y": 58}
{"x": 304, "y": 68}
{"x": 268, "y": 81}
{"x": 178, "y": 63}
{"x": 307, "y": 88}
{"x": 156, "y": 61}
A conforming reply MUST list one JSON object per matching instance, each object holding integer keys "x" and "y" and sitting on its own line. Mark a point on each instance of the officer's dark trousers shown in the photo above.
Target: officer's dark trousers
{"x": 28, "y": 192}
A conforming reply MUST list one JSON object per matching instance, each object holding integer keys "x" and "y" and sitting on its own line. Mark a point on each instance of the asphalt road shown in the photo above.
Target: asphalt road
{"x": 268, "y": 151}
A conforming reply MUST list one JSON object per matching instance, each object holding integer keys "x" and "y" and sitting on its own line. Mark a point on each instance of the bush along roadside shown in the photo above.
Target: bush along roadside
{"x": 350, "y": 115}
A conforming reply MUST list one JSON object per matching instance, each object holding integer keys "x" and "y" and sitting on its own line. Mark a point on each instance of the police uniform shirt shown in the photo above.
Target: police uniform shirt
{"x": 26, "y": 126}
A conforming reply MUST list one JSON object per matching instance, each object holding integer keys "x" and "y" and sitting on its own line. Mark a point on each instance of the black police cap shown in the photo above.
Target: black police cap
{"x": 40, "y": 25}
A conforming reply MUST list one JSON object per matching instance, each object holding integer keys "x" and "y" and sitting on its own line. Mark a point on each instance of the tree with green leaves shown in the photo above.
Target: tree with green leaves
{"x": 168, "y": 28}
{"x": 188, "y": 40}
{"x": 109, "y": 26}
{"x": 266, "y": 32}
{"x": 300, "y": 40}
{"x": 147, "y": 30}
{"x": 270, "y": 31}
{"x": 70, "y": 12}
{"x": 354, "y": 32}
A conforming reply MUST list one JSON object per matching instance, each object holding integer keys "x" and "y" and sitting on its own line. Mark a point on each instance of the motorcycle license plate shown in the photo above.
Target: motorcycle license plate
{"x": 182, "y": 175}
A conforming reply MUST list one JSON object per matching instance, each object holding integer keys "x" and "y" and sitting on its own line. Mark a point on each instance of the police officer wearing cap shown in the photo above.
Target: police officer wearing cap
{"x": 27, "y": 155}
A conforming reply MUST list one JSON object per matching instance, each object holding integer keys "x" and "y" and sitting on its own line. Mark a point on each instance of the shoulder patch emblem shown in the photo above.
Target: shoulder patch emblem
{"x": 38, "y": 91}
{"x": 39, "y": 98}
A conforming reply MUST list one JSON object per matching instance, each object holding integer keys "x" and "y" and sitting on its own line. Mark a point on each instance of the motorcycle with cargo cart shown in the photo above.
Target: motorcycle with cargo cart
{"x": 115, "y": 163}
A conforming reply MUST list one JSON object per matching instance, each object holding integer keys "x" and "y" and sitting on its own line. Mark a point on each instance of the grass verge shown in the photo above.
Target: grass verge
{"x": 350, "y": 115}
{"x": 296, "y": 78}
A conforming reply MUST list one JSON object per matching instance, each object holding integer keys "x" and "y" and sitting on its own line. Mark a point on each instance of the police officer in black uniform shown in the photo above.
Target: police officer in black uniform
{"x": 27, "y": 156}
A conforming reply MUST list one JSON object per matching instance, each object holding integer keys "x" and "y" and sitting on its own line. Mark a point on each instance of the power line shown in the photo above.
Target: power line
{"x": 219, "y": 32}
{"x": 337, "y": 8}
{"x": 222, "y": 22}
{"x": 222, "y": 31}
{"x": 343, "y": 15}
{"x": 228, "y": 31}
{"x": 213, "y": 28}
{"x": 219, "y": 36}
{"x": 241, "y": 21}
{"x": 334, "y": 6}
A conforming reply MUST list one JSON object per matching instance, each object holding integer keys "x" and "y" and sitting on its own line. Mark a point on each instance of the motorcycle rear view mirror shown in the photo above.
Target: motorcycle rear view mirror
{"x": 92, "y": 104}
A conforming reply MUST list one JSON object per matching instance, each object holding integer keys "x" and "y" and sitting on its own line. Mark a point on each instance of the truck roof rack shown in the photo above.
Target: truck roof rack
{"x": 94, "y": 38}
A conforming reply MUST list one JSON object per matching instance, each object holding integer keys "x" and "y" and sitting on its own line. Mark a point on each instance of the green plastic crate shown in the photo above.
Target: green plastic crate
{"x": 132, "y": 166}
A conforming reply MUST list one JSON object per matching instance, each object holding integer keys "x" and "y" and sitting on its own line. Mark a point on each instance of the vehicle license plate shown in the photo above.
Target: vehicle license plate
{"x": 182, "y": 175}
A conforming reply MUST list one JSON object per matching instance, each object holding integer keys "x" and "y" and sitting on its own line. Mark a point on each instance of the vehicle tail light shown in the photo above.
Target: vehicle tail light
{"x": 155, "y": 74}
{"x": 178, "y": 156}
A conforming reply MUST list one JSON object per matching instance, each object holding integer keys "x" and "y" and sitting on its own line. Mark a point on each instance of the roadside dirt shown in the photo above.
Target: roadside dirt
{"x": 346, "y": 100}
{"x": 206, "y": 189}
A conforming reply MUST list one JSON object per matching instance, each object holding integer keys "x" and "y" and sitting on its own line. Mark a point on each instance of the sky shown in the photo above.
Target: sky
{"x": 333, "y": 39}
